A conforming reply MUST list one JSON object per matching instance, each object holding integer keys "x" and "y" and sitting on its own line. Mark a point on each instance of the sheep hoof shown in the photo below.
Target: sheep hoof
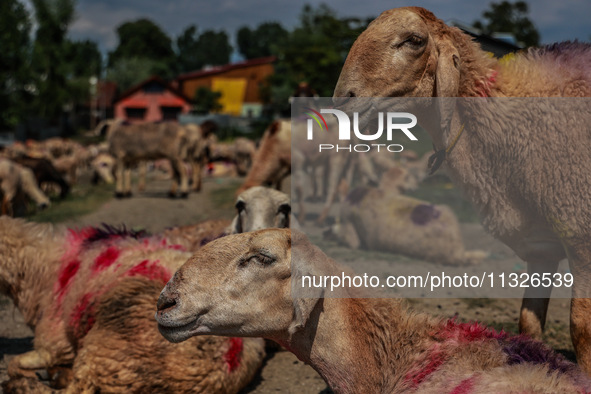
{"x": 119, "y": 195}
{"x": 127, "y": 195}
{"x": 171, "y": 195}
{"x": 184, "y": 195}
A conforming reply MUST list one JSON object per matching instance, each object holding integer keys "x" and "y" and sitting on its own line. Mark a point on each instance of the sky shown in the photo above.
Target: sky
{"x": 557, "y": 20}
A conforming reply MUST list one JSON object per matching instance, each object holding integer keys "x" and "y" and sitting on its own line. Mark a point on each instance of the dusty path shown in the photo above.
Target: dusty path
{"x": 282, "y": 371}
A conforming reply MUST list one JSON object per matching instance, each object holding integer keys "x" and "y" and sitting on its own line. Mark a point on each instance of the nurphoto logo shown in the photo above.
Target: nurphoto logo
{"x": 392, "y": 123}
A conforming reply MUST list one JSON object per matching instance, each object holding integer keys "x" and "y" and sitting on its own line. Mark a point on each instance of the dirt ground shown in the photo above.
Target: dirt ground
{"x": 282, "y": 372}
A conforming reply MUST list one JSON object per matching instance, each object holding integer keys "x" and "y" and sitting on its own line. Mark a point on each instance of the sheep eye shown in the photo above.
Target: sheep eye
{"x": 258, "y": 258}
{"x": 240, "y": 206}
{"x": 262, "y": 259}
{"x": 413, "y": 41}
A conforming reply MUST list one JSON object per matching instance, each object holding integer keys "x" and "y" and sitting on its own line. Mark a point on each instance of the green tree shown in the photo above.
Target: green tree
{"x": 265, "y": 40}
{"x": 128, "y": 72}
{"x": 48, "y": 58}
{"x": 314, "y": 52}
{"x": 194, "y": 50}
{"x": 15, "y": 73}
{"x": 506, "y": 17}
{"x": 206, "y": 101}
{"x": 143, "y": 39}
{"x": 83, "y": 58}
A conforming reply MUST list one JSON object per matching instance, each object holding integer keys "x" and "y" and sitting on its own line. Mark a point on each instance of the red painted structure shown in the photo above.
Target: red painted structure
{"x": 151, "y": 101}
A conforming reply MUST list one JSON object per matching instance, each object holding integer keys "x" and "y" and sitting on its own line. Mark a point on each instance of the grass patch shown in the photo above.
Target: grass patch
{"x": 83, "y": 199}
{"x": 224, "y": 197}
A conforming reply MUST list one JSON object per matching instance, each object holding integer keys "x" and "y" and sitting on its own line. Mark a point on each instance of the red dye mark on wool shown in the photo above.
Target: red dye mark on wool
{"x": 151, "y": 270}
{"x": 106, "y": 258}
{"x": 468, "y": 332}
{"x": 435, "y": 359}
{"x": 65, "y": 277}
{"x": 465, "y": 387}
{"x": 82, "y": 317}
{"x": 234, "y": 354}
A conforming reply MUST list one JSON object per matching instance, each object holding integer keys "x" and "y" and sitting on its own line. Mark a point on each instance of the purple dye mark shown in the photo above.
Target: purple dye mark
{"x": 424, "y": 213}
{"x": 522, "y": 349}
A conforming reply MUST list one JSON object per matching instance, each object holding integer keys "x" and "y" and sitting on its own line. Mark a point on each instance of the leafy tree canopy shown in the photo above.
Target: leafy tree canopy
{"x": 506, "y": 17}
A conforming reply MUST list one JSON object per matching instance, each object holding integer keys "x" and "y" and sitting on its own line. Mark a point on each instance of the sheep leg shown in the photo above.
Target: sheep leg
{"x": 196, "y": 164}
{"x": 141, "y": 185}
{"x": 6, "y": 205}
{"x": 184, "y": 179}
{"x": 127, "y": 181}
{"x": 175, "y": 179}
{"x": 337, "y": 166}
{"x": 535, "y": 302}
{"x": 25, "y": 364}
{"x": 119, "y": 168}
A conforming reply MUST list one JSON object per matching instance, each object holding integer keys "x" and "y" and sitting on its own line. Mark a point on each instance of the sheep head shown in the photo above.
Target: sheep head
{"x": 241, "y": 285}
{"x": 408, "y": 52}
{"x": 261, "y": 207}
{"x": 236, "y": 285}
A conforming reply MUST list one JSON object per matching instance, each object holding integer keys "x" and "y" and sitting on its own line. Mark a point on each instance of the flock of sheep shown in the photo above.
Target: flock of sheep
{"x": 91, "y": 293}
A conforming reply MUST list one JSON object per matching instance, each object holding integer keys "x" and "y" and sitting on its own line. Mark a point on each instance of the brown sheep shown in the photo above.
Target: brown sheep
{"x": 88, "y": 294}
{"x": 133, "y": 143}
{"x": 358, "y": 345}
{"x": 535, "y": 200}
{"x": 272, "y": 161}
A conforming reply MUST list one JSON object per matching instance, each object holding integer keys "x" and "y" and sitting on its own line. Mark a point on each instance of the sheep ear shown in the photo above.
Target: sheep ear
{"x": 236, "y": 226}
{"x": 303, "y": 263}
{"x": 447, "y": 81}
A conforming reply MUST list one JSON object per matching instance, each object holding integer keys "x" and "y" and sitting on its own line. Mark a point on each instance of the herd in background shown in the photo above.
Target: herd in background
{"x": 181, "y": 152}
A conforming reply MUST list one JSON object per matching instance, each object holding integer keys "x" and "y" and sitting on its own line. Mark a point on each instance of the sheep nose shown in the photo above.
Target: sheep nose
{"x": 166, "y": 303}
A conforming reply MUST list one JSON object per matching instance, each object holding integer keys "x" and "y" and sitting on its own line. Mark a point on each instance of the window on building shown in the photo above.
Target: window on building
{"x": 170, "y": 113}
{"x": 135, "y": 113}
{"x": 153, "y": 87}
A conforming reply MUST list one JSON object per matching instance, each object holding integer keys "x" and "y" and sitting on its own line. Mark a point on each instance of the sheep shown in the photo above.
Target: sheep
{"x": 133, "y": 143}
{"x": 257, "y": 208}
{"x": 15, "y": 179}
{"x": 45, "y": 172}
{"x": 244, "y": 151}
{"x": 358, "y": 345}
{"x": 383, "y": 219}
{"x": 272, "y": 161}
{"x": 533, "y": 199}
{"x": 89, "y": 295}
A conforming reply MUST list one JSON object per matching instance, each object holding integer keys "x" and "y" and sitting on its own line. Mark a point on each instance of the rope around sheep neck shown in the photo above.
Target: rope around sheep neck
{"x": 437, "y": 158}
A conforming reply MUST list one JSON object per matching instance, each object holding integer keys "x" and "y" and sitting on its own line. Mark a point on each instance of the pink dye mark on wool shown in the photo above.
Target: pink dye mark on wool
{"x": 465, "y": 387}
{"x": 106, "y": 259}
{"x": 74, "y": 241}
{"x": 434, "y": 360}
{"x": 468, "y": 332}
{"x": 234, "y": 354}
{"x": 82, "y": 317}
{"x": 65, "y": 276}
{"x": 484, "y": 87}
{"x": 151, "y": 270}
